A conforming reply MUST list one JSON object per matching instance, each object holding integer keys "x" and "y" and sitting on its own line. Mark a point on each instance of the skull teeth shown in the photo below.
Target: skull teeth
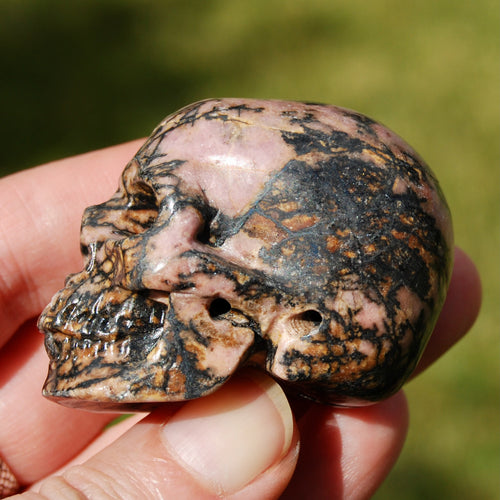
{"x": 65, "y": 347}
{"x": 113, "y": 315}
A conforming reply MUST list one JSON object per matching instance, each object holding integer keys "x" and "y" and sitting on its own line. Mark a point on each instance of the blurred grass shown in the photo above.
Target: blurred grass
{"x": 81, "y": 75}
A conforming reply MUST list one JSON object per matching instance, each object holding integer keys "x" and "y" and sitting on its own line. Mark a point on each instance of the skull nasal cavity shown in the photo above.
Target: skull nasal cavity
{"x": 218, "y": 308}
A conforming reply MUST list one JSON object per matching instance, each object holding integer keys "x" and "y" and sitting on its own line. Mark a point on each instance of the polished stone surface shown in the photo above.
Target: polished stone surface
{"x": 305, "y": 239}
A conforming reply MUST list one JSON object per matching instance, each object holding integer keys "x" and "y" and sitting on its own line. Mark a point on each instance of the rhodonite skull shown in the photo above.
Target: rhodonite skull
{"x": 305, "y": 239}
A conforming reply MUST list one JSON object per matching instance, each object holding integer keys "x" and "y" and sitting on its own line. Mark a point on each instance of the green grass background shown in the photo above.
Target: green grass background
{"x": 80, "y": 75}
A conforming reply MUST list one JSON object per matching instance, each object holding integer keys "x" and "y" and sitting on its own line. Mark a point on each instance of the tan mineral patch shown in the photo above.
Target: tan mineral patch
{"x": 332, "y": 244}
{"x": 299, "y": 222}
{"x": 264, "y": 229}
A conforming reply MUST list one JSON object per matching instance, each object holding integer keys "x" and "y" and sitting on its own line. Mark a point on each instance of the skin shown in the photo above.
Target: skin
{"x": 344, "y": 453}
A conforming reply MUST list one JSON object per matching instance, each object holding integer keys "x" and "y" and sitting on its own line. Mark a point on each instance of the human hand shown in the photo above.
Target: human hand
{"x": 241, "y": 442}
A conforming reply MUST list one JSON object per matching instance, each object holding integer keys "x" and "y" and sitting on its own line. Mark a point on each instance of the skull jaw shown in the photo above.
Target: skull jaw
{"x": 110, "y": 394}
{"x": 134, "y": 369}
{"x": 113, "y": 382}
{"x": 106, "y": 379}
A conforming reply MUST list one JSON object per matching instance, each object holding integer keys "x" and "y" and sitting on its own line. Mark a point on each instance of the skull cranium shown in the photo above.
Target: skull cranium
{"x": 302, "y": 238}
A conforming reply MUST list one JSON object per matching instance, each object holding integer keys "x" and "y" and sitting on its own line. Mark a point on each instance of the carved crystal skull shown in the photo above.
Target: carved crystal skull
{"x": 301, "y": 238}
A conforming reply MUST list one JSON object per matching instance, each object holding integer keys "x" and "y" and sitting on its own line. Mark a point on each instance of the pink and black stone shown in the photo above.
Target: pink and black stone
{"x": 304, "y": 239}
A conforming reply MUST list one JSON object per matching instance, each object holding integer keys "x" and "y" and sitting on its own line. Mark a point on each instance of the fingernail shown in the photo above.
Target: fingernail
{"x": 230, "y": 437}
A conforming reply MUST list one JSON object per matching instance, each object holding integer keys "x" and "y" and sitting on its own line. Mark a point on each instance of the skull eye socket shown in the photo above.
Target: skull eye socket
{"x": 141, "y": 196}
{"x": 307, "y": 321}
{"x": 141, "y": 209}
{"x": 218, "y": 308}
{"x": 130, "y": 211}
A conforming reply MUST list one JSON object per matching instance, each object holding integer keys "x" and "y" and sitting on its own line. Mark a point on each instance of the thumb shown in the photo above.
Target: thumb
{"x": 240, "y": 442}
